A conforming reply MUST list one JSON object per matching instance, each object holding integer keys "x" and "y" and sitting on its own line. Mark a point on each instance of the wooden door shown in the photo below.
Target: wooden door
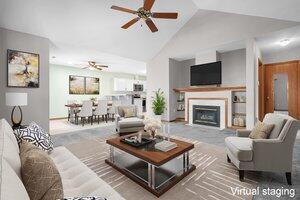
{"x": 291, "y": 69}
{"x": 261, "y": 86}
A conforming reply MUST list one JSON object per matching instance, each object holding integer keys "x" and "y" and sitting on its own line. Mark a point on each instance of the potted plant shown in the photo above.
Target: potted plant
{"x": 158, "y": 103}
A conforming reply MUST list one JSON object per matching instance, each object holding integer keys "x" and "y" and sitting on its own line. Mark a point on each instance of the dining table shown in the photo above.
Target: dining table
{"x": 79, "y": 105}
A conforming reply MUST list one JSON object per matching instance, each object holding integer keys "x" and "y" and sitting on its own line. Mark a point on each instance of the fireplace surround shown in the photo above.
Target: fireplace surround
{"x": 206, "y": 115}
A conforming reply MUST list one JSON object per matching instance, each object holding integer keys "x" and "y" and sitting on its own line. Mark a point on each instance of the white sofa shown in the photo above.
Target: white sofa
{"x": 78, "y": 180}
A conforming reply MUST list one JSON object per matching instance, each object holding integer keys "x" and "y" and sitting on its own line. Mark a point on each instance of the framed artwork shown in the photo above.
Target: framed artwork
{"x": 76, "y": 84}
{"x": 92, "y": 85}
{"x": 23, "y": 69}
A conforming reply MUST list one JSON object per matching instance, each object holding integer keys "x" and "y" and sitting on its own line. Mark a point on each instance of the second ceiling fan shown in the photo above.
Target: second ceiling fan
{"x": 146, "y": 14}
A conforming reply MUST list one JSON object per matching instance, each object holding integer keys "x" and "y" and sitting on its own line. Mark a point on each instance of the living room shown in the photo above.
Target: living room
{"x": 154, "y": 99}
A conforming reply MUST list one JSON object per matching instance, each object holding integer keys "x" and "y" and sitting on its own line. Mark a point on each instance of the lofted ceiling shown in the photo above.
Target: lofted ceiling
{"x": 278, "y": 9}
{"x": 92, "y": 25}
{"x": 81, "y": 30}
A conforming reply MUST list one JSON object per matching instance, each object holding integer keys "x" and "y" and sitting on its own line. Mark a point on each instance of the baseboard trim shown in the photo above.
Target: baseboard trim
{"x": 58, "y": 118}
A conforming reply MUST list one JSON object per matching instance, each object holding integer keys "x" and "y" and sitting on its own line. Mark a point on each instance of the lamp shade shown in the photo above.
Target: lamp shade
{"x": 16, "y": 99}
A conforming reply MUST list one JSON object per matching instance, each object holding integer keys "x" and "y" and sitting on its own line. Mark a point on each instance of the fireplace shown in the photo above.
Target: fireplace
{"x": 206, "y": 115}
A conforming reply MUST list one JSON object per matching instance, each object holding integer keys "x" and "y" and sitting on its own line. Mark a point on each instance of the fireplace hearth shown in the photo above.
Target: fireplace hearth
{"x": 206, "y": 115}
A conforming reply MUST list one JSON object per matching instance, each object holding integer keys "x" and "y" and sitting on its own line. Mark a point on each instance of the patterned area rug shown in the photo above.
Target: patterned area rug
{"x": 213, "y": 178}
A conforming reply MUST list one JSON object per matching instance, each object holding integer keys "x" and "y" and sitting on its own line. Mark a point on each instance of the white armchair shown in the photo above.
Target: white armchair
{"x": 273, "y": 154}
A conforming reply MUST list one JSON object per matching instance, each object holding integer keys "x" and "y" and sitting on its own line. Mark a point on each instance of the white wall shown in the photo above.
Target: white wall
{"x": 38, "y": 98}
{"x": 205, "y": 30}
{"x": 234, "y": 68}
{"x": 159, "y": 78}
{"x": 252, "y": 55}
{"x": 207, "y": 57}
{"x": 281, "y": 56}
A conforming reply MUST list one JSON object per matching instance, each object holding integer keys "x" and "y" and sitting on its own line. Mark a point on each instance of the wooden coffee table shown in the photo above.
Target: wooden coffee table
{"x": 154, "y": 170}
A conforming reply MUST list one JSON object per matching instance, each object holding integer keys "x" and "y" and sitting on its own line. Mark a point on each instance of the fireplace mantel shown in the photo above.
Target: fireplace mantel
{"x": 209, "y": 89}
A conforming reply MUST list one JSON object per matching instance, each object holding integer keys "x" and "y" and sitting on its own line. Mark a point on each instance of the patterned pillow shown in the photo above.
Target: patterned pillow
{"x": 35, "y": 135}
{"x": 85, "y": 198}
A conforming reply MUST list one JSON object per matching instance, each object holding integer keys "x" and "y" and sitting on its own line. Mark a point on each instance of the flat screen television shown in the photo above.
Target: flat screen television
{"x": 206, "y": 74}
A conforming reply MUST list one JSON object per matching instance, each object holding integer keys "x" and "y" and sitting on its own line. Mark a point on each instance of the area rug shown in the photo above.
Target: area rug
{"x": 213, "y": 178}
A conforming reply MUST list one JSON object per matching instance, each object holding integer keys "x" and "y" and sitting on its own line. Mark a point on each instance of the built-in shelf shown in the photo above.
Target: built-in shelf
{"x": 180, "y": 110}
{"x": 238, "y": 108}
{"x": 180, "y": 101}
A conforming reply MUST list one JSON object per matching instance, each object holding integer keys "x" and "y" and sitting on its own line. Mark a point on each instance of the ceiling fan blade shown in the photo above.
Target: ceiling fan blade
{"x": 123, "y": 9}
{"x": 151, "y": 25}
{"x": 148, "y": 4}
{"x": 165, "y": 15}
{"x": 130, "y": 23}
{"x": 101, "y": 66}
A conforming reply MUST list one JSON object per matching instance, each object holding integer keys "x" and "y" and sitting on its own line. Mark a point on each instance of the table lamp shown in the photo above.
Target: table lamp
{"x": 16, "y": 100}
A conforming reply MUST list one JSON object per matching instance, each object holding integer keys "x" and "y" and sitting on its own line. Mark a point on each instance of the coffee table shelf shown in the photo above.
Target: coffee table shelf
{"x": 154, "y": 170}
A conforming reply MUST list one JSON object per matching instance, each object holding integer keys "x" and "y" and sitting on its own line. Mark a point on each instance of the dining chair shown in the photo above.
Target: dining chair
{"x": 101, "y": 110}
{"x": 85, "y": 112}
{"x": 112, "y": 110}
{"x": 71, "y": 111}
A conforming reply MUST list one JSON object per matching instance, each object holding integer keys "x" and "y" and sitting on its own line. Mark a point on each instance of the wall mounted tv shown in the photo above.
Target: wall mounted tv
{"x": 206, "y": 74}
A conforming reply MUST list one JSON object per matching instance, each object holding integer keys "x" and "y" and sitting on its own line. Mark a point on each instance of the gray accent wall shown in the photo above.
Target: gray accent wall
{"x": 234, "y": 68}
{"x": 179, "y": 73}
{"x": 38, "y": 98}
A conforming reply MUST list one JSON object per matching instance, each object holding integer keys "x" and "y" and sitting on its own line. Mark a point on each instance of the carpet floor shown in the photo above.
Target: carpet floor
{"x": 213, "y": 178}
{"x": 214, "y": 137}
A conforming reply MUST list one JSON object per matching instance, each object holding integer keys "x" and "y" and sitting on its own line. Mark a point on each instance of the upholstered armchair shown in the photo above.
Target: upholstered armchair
{"x": 273, "y": 154}
{"x": 131, "y": 124}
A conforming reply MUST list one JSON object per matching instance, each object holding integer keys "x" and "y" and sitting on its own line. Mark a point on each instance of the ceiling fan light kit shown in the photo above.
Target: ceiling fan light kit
{"x": 145, "y": 14}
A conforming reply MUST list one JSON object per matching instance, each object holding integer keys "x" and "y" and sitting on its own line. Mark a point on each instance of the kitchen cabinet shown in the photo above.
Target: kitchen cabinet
{"x": 123, "y": 84}
{"x": 126, "y": 85}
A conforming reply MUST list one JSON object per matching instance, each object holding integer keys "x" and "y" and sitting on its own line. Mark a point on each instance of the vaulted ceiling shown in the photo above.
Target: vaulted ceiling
{"x": 81, "y": 30}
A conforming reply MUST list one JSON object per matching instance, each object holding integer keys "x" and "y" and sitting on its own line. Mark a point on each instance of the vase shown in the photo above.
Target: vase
{"x": 157, "y": 117}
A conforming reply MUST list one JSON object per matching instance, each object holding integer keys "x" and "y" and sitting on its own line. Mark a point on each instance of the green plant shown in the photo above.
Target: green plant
{"x": 158, "y": 102}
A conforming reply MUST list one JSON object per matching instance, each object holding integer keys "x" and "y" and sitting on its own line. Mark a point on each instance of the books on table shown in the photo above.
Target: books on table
{"x": 165, "y": 145}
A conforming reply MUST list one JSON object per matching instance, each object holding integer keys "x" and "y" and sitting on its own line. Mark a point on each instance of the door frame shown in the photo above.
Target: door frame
{"x": 261, "y": 90}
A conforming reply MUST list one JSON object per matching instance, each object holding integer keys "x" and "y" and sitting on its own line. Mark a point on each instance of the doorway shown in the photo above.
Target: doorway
{"x": 278, "y": 88}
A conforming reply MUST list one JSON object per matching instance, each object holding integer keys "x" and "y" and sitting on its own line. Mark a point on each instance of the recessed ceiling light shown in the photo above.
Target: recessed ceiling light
{"x": 70, "y": 63}
{"x": 284, "y": 42}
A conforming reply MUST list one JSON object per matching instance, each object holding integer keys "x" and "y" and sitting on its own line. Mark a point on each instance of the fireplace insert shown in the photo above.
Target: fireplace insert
{"x": 206, "y": 115}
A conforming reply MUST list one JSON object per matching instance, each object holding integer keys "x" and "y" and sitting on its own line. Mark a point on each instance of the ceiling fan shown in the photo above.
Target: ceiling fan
{"x": 94, "y": 65}
{"x": 146, "y": 14}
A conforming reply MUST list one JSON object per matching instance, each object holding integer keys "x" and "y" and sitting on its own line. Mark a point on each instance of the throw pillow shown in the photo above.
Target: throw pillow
{"x": 39, "y": 173}
{"x": 261, "y": 130}
{"x": 129, "y": 112}
{"x": 35, "y": 135}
